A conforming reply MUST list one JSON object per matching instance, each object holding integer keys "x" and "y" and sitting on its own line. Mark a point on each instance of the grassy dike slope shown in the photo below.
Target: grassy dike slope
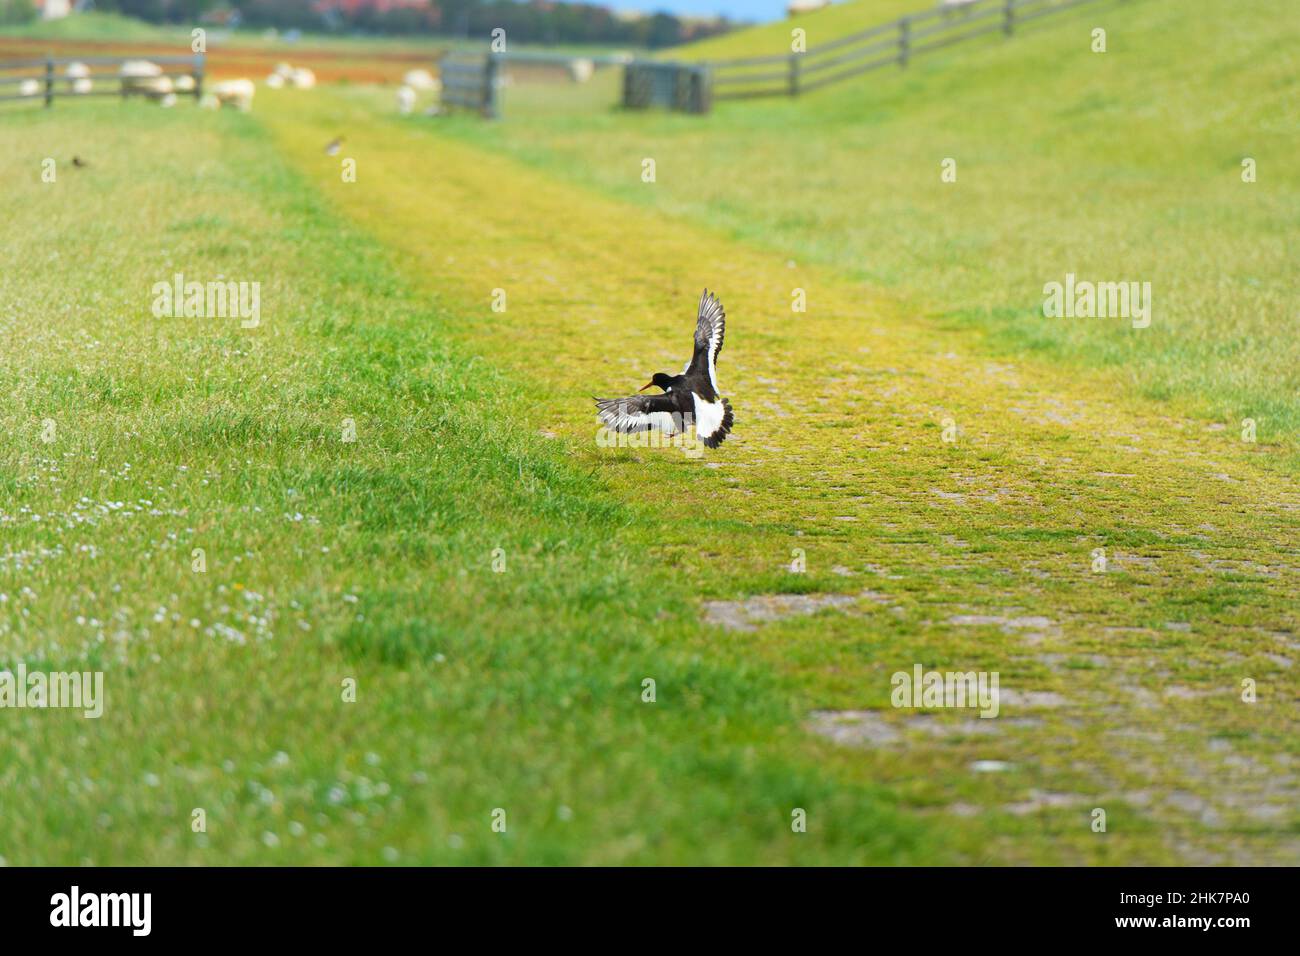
{"x": 820, "y": 26}
{"x": 328, "y": 560}
{"x": 1121, "y": 689}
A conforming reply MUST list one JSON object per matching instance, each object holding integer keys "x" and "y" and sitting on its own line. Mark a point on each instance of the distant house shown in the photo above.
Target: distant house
{"x": 797, "y": 7}
{"x": 54, "y": 9}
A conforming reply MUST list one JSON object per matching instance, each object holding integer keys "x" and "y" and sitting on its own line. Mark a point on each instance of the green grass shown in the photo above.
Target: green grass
{"x": 820, "y": 26}
{"x": 94, "y": 25}
{"x": 973, "y": 554}
{"x": 329, "y": 560}
{"x": 1122, "y": 166}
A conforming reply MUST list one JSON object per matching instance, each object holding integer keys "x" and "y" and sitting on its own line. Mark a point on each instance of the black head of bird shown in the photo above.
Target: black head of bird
{"x": 662, "y": 379}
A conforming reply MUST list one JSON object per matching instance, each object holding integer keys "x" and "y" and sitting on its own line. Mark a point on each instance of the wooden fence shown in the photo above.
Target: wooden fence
{"x": 46, "y": 79}
{"x": 893, "y": 43}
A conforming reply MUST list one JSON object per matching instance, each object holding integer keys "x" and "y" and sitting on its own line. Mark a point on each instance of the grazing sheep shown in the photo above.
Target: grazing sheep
{"x": 184, "y": 84}
{"x": 422, "y": 80}
{"x": 168, "y": 101}
{"x": 29, "y": 88}
{"x": 405, "y": 100}
{"x": 275, "y": 81}
{"x": 303, "y": 78}
{"x": 78, "y": 75}
{"x": 581, "y": 70}
{"x": 236, "y": 93}
{"x": 141, "y": 76}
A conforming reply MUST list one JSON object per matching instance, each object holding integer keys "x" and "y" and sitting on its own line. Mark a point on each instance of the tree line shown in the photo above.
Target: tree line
{"x": 534, "y": 21}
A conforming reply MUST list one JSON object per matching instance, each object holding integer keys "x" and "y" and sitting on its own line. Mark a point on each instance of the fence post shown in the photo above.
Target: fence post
{"x": 904, "y": 40}
{"x": 490, "y": 68}
{"x": 49, "y": 81}
{"x": 198, "y": 77}
{"x": 794, "y": 74}
{"x": 1008, "y": 16}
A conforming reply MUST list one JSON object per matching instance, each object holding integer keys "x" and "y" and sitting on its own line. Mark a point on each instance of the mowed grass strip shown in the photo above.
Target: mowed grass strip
{"x": 132, "y": 442}
{"x": 973, "y": 554}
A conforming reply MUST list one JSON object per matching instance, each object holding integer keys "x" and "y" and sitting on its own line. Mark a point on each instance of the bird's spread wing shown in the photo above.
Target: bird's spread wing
{"x": 639, "y": 413}
{"x": 713, "y": 420}
{"x": 710, "y": 328}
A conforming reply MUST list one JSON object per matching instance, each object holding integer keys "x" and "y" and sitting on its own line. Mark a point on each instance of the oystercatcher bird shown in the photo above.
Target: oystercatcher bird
{"x": 79, "y": 162}
{"x": 689, "y": 397}
{"x": 333, "y": 146}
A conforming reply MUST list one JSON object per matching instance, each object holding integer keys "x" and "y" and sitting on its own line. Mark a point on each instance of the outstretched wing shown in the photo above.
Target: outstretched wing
{"x": 640, "y": 413}
{"x": 710, "y": 328}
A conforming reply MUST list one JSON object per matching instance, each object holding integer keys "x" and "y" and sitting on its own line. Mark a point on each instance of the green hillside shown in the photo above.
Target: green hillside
{"x": 822, "y": 26}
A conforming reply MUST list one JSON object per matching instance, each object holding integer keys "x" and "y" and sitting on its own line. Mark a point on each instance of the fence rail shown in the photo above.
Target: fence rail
{"x": 51, "y": 77}
{"x": 893, "y": 43}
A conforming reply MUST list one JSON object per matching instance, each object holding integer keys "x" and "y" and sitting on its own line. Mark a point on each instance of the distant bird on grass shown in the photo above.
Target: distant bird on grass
{"x": 689, "y": 397}
{"x": 79, "y": 162}
{"x": 333, "y": 146}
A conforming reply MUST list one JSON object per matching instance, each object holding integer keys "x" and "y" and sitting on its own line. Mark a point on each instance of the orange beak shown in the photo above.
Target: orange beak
{"x": 645, "y": 386}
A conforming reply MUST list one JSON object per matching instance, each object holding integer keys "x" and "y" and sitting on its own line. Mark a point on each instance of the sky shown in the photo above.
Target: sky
{"x": 736, "y": 9}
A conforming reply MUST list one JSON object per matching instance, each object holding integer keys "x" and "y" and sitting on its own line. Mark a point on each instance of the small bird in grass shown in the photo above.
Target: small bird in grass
{"x": 79, "y": 162}
{"x": 333, "y": 146}
{"x": 689, "y": 397}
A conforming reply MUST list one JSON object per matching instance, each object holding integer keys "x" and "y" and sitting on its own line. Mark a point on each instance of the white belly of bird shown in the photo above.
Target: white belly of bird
{"x": 708, "y": 416}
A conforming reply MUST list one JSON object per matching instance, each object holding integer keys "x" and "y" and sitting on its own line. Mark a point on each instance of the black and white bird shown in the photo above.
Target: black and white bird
{"x": 333, "y": 146}
{"x": 689, "y": 397}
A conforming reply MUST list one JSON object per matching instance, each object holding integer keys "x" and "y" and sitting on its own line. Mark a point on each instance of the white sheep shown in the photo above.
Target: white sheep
{"x": 581, "y": 70}
{"x": 405, "y": 100}
{"x": 421, "y": 80}
{"x": 303, "y": 78}
{"x": 141, "y": 76}
{"x": 236, "y": 93}
{"x": 78, "y": 75}
{"x": 29, "y": 88}
{"x": 275, "y": 81}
